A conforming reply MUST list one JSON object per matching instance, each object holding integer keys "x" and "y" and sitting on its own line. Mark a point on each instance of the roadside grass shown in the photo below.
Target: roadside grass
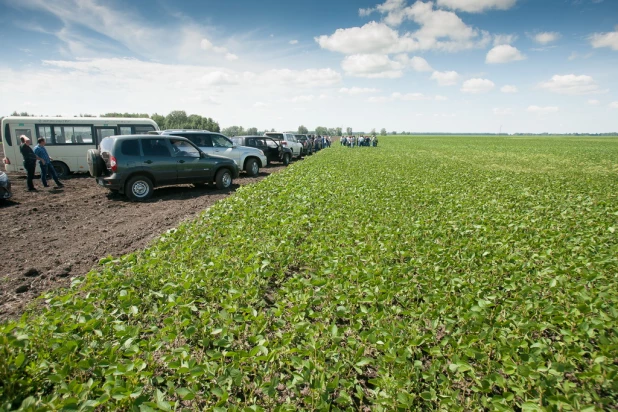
{"x": 433, "y": 273}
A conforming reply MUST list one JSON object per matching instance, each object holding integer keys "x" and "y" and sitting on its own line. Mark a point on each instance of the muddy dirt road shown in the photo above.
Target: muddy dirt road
{"x": 52, "y": 235}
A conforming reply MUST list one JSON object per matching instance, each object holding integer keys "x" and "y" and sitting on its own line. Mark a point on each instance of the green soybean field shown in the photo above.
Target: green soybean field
{"x": 450, "y": 273}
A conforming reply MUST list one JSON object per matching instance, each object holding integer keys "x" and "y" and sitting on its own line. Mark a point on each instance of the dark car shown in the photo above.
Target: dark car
{"x": 5, "y": 186}
{"x": 135, "y": 164}
{"x": 272, "y": 147}
{"x": 307, "y": 146}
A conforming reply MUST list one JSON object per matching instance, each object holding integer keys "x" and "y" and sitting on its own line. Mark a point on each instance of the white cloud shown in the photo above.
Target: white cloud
{"x": 409, "y": 96}
{"x": 542, "y": 110}
{"x": 231, "y": 57}
{"x": 613, "y": 105}
{"x": 509, "y": 89}
{"x": 120, "y": 29}
{"x": 610, "y": 40}
{"x": 439, "y": 98}
{"x": 307, "y": 77}
{"x": 504, "y": 39}
{"x": 477, "y": 86}
{"x": 293, "y": 41}
{"x": 259, "y": 105}
{"x": 546, "y": 37}
{"x": 301, "y": 99}
{"x": 503, "y": 54}
{"x": 405, "y": 97}
{"x": 574, "y": 56}
{"x": 420, "y": 65}
{"x": 502, "y": 112}
{"x": 354, "y": 91}
{"x": 477, "y": 6}
{"x": 572, "y": 84}
{"x": 450, "y": 78}
{"x": 593, "y": 102}
{"x": 438, "y": 30}
{"x": 372, "y": 66}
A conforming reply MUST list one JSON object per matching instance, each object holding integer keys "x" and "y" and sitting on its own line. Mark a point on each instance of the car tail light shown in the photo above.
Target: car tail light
{"x": 6, "y": 161}
{"x": 284, "y": 143}
{"x": 113, "y": 164}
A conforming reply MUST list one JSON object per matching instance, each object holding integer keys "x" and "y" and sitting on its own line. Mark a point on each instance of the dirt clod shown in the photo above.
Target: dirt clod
{"x": 31, "y": 273}
{"x": 22, "y": 288}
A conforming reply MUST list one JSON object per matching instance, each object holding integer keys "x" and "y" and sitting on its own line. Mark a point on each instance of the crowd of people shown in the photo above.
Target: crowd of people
{"x": 359, "y": 141}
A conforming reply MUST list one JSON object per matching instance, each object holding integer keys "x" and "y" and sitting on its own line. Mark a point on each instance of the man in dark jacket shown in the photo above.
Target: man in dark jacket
{"x": 29, "y": 160}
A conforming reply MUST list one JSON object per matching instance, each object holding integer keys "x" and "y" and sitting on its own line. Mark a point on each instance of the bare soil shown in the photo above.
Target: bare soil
{"x": 53, "y": 235}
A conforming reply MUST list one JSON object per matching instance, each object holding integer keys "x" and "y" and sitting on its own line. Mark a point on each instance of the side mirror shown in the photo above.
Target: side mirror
{"x": 202, "y": 155}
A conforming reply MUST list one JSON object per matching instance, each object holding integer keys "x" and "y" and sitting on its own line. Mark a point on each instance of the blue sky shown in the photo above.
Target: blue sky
{"x": 420, "y": 66}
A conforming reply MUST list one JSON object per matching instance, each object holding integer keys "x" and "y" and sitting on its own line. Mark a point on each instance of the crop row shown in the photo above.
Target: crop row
{"x": 432, "y": 273}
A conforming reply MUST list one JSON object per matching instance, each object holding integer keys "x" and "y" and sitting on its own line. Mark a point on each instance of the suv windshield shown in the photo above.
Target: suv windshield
{"x": 220, "y": 141}
{"x": 275, "y": 135}
{"x": 184, "y": 148}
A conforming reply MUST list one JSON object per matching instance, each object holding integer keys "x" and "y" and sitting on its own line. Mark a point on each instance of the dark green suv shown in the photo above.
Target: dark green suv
{"x": 136, "y": 164}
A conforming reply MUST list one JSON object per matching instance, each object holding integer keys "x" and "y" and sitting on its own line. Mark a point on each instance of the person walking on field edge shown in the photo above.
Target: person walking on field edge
{"x": 30, "y": 159}
{"x": 46, "y": 164}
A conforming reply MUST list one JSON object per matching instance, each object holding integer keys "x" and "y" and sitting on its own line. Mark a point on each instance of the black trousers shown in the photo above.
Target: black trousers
{"x": 30, "y": 166}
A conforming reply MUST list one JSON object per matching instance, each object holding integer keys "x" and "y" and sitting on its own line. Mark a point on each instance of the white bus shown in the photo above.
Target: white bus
{"x": 67, "y": 138}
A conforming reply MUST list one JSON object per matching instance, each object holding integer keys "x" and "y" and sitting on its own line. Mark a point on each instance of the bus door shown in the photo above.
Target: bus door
{"x": 104, "y": 131}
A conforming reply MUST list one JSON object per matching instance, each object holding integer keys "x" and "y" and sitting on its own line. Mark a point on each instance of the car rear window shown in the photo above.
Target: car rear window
{"x": 107, "y": 144}
{"x": 130, "y": 147}
{"x": 275, "y": 135}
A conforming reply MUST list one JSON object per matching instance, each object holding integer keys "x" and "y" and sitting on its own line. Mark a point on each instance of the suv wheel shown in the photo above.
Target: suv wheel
{"x": 139, "y": 188}
{"x": 252, "y": 167}
{"x": 286, "y": 159}
{"x": 223, "y": 179}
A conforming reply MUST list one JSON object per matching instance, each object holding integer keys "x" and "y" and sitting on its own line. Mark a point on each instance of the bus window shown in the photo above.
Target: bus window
{"x": 23, "y": 132}
{"x": 45, "y": 131}
{"x": 143, "y": 129}
{"x": 7, "y": 135}
{"x": 73, "y": 134}
{"x": 124, "y": 130}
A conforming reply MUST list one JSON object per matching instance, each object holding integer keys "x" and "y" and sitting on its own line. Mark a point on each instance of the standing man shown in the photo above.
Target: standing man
{"x": 46, "y": 165}
{"x": 30, "y": 159}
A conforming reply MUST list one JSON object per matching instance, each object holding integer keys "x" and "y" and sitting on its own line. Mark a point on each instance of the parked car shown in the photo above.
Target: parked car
{"x": 5, "y": 187}
{"x": 135, "y": 164}
{"x": 272, "y": 148}
{"x": 287, "y": 140}
{"x": 307, "y": 146}
{"x": 249, "y": 159}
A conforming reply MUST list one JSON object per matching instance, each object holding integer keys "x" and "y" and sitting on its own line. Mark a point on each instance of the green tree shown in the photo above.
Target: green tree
{"x": 338, "y": 131}
{"x": 321, "y": 131}
{"x": 159, "y": 120}
{"x": 176, "y": 119}
{"x": 302, "y": 130}
{"x": 252, "y": 131}
{"x": 348, "y": 131}
{"x": 383, "y": 132}
{"x": 234, "y": 131}
{"x": 373, "y": 132}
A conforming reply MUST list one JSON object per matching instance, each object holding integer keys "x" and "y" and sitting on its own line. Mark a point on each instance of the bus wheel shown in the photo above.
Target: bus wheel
{"x": 62, "y": 170}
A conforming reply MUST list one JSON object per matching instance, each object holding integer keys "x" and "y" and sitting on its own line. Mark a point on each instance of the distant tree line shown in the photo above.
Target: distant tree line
{"x": 177, "y": 119}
